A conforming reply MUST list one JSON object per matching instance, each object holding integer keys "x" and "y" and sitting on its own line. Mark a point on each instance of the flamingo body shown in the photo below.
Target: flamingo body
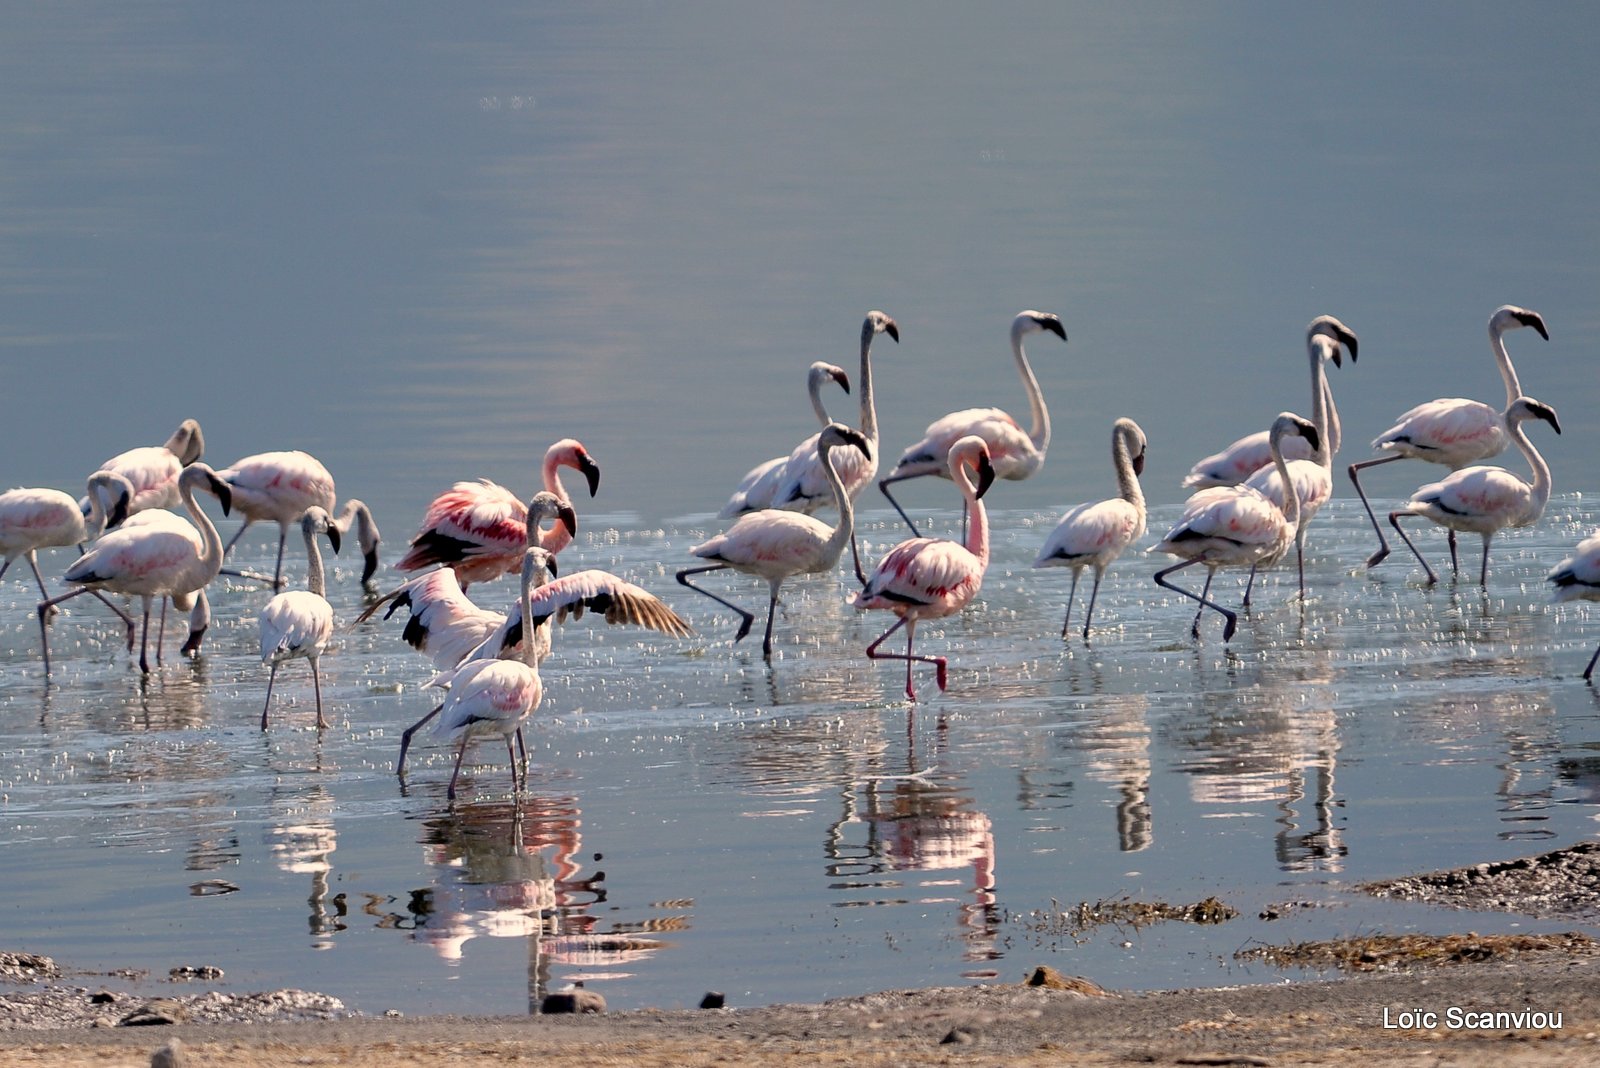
{"x": 1578, "y": 578}
{"x": 758, "y": 489}
{"x": 153, "y": 470}
{"x": 299, "y": 623}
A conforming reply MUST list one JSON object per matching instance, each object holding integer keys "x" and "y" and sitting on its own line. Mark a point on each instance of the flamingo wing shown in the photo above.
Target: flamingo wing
{"x": 443, "y": 624}
{"x": 1099, "y": 530}
{"x": 1475, "y": 499}
{"x": 1578, "y": 576}
{"x": 295, "y": 623}
{"x": 469, "y": 521}
{"x": 1448, "y": 430}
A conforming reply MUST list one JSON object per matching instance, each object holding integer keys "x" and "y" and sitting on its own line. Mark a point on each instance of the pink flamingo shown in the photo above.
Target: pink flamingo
{"x": 479, "y": 529}
{"x": 1485, "y": 500}
{"x": 1235, "y": 526}
{"x": 756, "y": 489}
{"x": 279, "y": 487}
{"x": 299, "y": 623}
{"x": 803, "y": 483}
{"x": 34, "y": 519}
{"x": 1452, "y": 431}
{"x": 153, "y": 470}
{"x": 1251, "y": 453}
{"x": 1578, "y": 578}
{"x": 1016, "y": 454}
{"x": 152, "y": 558}
{"x": 776, "y": 545}
{"x": 931, "y": 578}
{"x": 1095, "y": 534}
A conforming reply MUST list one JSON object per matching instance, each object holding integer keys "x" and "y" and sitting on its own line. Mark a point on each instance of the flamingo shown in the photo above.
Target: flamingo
{"x": 1485, "y": 500}
{"x": 39, "y": 518}
{"x": 1252, "y": 453}
{"x": 278, "y": 487}
{"x": 155, "y": 558}
{"x": 492, "y": 696}
{"x": 931, "y": 578}
{"x": 1578, "y": 577}
{"x": 479, "y": 529}
{"x": 1312, "y": 478}
{"x": 298, "y": 623}
{"x": 803, "y": 484}
{"x": 1014, "y": 454}
{"x": 775, "y": 545}
{"x": 1452, "y": 431}
{"x": 1235, "y": 526}
{"x": 153, "y": 469}
{"x": 755, "y": 490}
{"x": 1095, "y": 534}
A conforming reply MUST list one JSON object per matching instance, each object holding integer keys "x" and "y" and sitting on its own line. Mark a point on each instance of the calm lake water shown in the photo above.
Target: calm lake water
{"x": 423, "y": 244}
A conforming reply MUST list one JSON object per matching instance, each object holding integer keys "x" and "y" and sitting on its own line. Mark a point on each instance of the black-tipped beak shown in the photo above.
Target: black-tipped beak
{"x": 1313, "y": 439}
{"x": 1338, "y": 360}
{"x": 119, "y": 512}
{"x": 1138, "y": 464}
{"x": 369, "y": 566}
{"x": 1350, "y": 343}
{"x": 1054, "y": 326}
{"x": 333, "y": 538}
{"x": 551, "y": 566}
{"x": 591, "y": 473}
{"x": 224, "y": 494}
{"x": 893, "y": 330}
{"x": 841, "y": 378}
{"x": 1548, "y": 414}
{"x": 859, "y": 440}
{"x": 985, "y": 475}
{"x": 1535, "y": 320}
{"x": 569, "y": 518}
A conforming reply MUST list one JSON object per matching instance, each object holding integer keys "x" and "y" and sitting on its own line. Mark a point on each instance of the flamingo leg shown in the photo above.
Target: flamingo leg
{"x": 1066, "y": 621}
{"x": 772, "y": 608}
{"x": 316, "y": 686}
{"x": 747, "y": 619}
{"x": 144, "y": 641}
{"x": 908, "y": 656}
{"x": 1455, "y": 565}
{"x": 883, "y": 488}
{"x": 33, "y": 562}
{"x": 450, "y": 793}
{"x": 1483, "y": 574}
{"x": 161, "y": 628}
{"x": 522, "y": 748}
{"x": 405, "y": 738}
{"x": 1383, "y": 546}
{"x": 228, "y": 548}
{"x": 1232, "y": 620}
{"x": 5, "y": 566}
{"x": 1588, "y": 671}
{"x": 277, "y": 571}
{"x": 46, "y": 609}
{"x": 1094, "y": 594}
{"x": 511, "y": 755}
{"x": 125, "y": 617}
{"x": 1249, "y": 584}
{"x": 855, "y": 555}
{"x": 1394, "y": 521}
{"x": 272, "y": 675}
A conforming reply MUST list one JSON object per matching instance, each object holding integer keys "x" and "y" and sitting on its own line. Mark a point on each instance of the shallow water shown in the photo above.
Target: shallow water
{"x": 697, "y": 820}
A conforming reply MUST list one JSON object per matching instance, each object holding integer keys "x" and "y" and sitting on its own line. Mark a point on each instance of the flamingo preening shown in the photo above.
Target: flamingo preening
{"x": 775, "y": 545}
{"x": 299, "y": 623}
{"x": 931, "y": 578}
{"x": 1578, "y": 578}
{"x": 1014, "y": 453}
{"x": 1235, "y": 526}
{"x": 153, "y": 470}
{"x": 1485, "y": 500}
{"x": 756, "y": 489}
{"x": 1451, "y": 430}
{"x": 158, "y": 557}
{"x": 479, "y": 529}
{"x": 1095, "y": 534}
{"x": 1252, "y": 453}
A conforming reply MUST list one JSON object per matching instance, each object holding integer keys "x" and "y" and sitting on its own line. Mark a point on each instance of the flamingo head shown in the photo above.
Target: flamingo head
{"x": 1288, "y": 423}
{"x": 569, "y": 452}
{"x": 1339, "y": 334}
{"x": 972, "y": 451}
{"x": 879, "y": 323}
{"x": 836, "y": 434}
{"x": 538, "y": 565}
{"x": 187, "y": 443}
{"x": 1510, "y": 317}
{"x": 546, "y": 506}
{"x": 317, "y": 521}
{"x": 1528, "y": 408}
{"x": 826, "y": 372}
{"x": 1032, "y": 322}
{"x": 199, "y": 475}
{"x": 1131, "y": 435}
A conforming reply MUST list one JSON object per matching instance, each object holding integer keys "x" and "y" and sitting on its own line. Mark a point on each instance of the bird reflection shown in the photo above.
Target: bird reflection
{"x": 1115, "y": 740}
{"x": 302, "y": 840}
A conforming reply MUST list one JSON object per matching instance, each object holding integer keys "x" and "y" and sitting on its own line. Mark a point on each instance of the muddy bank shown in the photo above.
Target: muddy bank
{"x": 1561, "y": 884}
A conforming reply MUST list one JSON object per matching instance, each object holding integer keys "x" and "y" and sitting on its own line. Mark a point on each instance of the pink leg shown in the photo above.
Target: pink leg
{"x": 908, "y": 656}
{"x": 451, "y": 792}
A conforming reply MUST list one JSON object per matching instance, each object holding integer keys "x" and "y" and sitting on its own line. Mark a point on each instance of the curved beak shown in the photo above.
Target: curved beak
{"x": 369, "y": 566}
{"x": 591, "y": 473}
{"x": 569, "y": 518}
{"x": 840, "y": 377}
{"x": 333, "y": 537}
{"x": 1054, "y": 326}
{"x": 224, "y": 493}
{"x": 985, "y": 475}
{"x": 892, "y": 328}
{"x": 1138, "y": 464}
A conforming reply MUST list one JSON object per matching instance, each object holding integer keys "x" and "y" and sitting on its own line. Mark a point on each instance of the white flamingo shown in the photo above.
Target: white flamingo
{"x": 1578, "y": 578}
{"x": 776, "y": 545}
{"x": 1451, "y": 430}
{"x": 931, "y": 578}
{"x": 153, "y": 470}
{"x": 803, "y": 484}
{"x": 299, "y": 623}
{"x": 151, "y": 559}
{"x": 1235, "y": 526}
{"x": 279, "y": 487}
{"x": 36, "y": 518}
{"x": 492, "y": 696}
{"x": 1095, "y": 534}
{"x": 1252, "y": 453}
{"x": 756, "y": 489}
{"x": 1485, "y": 500}
{"x": 1015, "y": 454}
{"x": 1312, "y": 478}
{"x": 479, "y": 529}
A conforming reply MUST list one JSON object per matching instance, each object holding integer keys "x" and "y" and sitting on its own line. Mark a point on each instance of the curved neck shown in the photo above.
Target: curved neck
{"x": 1128, "y": 487}
{"x": 315, "y": 581}
{"x": 814, "y": 387}
{"x": 977, "y": 542}
{"x": 869, "y": 409}
{"x": 551, "y": 473}
{"x": 1541, "y": 469}
{"x": 211, "y": 555}
{"x": 1039, "y": 432}
{"x": 847, "y": 515}
{"x": 1508, "y": 373}
{"x": 1291, "y": 499}
{"x": 356, "y": 513}
{"x": 1321, "y": 397}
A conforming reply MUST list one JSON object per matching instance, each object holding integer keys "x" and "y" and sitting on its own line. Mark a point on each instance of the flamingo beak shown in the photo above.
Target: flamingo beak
{"x": 224, "y": 494}
{"x": 1350, "y": 343}
{"x": 841, "y": 378}
{"x": 1548, "y": 414}
{"x": 1053, "y": 325}
{"x": 985, "y": 475}
{"x": 369, "y": 566}
{"x": 551, "y": 566}
{"x": 893, "y": 330}
{"x": 591, "y": 472}
{"x": 119, "y": 512}
{"x": 1138, "y": 464}
{"x": 569, "y": 518}
{"x": 1535, "y": 320}
{"x": 333, "y": 538}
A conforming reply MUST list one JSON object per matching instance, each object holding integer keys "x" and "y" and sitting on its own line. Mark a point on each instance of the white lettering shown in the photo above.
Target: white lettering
{"x": 1457, "y": 1019}
{"x": 1410, "y": 1018}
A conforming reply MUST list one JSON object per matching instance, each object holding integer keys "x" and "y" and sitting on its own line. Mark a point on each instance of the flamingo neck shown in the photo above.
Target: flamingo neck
{"x": 869, "y": 408}
{"x": 355, "y": 513}
{"x": 847, "y": 513}
{"x": 315, "y": 581}
{"x": 977, "y": 542}
{"x": 211, "y": 553}
{"x": 533, "y": 577}
{"x": 1541, "y": 470}
{"x": 1508, "y": 373}
{"x": 1291, "y": 499}
{"x": 1039, "y": 431}
{"x": 814, "y": 387}
{"x": 1128, "y": 487}
{"x": 1321, "y": 398}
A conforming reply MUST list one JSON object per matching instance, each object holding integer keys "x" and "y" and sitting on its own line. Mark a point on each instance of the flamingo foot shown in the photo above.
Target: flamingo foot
{"x": 1378, "y": 557}
{"x": 744, "y": 628}
{"x": 1229, "y": 627}
{"x": 941, "y": 673}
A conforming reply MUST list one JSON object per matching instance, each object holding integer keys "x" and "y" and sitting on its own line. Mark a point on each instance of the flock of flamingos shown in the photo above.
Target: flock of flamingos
{"x": 1241, "y": 516}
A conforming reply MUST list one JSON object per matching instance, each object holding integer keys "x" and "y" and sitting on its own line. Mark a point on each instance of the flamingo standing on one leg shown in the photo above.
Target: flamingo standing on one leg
{"x": 1235, "y": 526}
{"x": 1452, "y": 431}
{"x": 803, "y": 483}
{"x": 1095, "y": 534}
{"x": 1252, "y": 453}
{"x": 153, "y": 470}
{"x": 756, "y": 489}
{"x": 299, "y": 623}
{"x": 1015, "y": 454}
{"x": 1485, "y": 500}
{"x": 931, "y": 578}
{"x": 151, "y": 559}
{"x": 775, "y": 545}
{"x": 1578, "y": 578}
{"x": 1312, "y": 478}
{"x": 479, "y": 529}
